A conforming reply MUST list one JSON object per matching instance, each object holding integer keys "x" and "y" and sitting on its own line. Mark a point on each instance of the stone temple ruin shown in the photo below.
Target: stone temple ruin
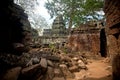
{"x": 57, "y": 34}
{"x": 88, "y": 38}
{"x": 58, "y": 28}
{"x": 15, "y": 29}
{"x": 112, "y": 13}
{"x": 18, "y": 61}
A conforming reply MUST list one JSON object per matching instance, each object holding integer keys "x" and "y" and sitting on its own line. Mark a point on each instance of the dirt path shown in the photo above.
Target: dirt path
{"x": 97, "y": 70}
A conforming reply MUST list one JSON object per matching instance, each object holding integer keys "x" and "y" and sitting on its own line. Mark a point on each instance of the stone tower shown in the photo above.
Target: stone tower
{"x": 58, "y": 27}
{"x": 15, "y": 31}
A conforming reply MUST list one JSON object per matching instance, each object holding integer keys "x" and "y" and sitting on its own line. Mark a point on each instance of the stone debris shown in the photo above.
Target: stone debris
{"x": 12, "y": 74}
{"x": 58, "y": 73}
{"x": 57, "y": 78}
{"x": 49, "y": 63}
{"x": 74, "y": 69}
{"x": 46, "y": 66}
{"x": 19, "y": 58}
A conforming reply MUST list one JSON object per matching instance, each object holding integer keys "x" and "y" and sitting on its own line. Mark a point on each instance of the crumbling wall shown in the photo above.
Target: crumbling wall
{"x": 15, "y": 28}
{"x": 15, "y": 34}
{"x": 112, "y": 13}
{"x": 85, "y": 40}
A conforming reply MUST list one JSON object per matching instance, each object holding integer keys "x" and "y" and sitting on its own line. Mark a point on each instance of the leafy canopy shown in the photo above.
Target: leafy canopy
{"x": 75, "y": 12}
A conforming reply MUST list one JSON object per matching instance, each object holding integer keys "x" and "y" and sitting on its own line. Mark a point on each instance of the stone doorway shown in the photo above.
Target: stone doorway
{"x": 103, "y": 43}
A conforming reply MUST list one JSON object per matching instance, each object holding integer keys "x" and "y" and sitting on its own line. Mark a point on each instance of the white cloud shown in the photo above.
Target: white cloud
{"x": 41, "y": 10}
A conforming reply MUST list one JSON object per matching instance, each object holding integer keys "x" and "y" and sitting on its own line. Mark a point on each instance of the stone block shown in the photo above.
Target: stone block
{"x": 12, "y": 74}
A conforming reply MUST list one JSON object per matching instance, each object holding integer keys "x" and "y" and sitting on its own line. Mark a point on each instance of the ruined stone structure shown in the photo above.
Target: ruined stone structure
{"x": 34, "y": 32}
{"x": 47, "y": 32}
{"x": 15, "y": 33}
{"x": 58, "y": 28}
{"x": 88, "y": 38}
{"x": 18, "y": 64}
{"x": 53, "y": 40}
{"x": 15, "y": 27}
{"x": 112, "y": 13}
{"x": 57, "y": 34}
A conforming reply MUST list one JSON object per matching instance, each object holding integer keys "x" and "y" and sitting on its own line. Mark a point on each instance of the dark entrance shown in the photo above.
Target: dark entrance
{"x": 103, "y": 43}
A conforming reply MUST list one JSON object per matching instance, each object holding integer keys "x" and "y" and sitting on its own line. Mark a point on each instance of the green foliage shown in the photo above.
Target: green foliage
{"x": 52, "y": 46}
{"x": 75, "y": 12}
{"x": 65, "y": 50}
{"x": 91, "y": 7}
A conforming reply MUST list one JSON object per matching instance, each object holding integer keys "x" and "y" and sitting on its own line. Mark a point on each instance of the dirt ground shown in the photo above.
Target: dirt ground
{"x": 98, "y": 69}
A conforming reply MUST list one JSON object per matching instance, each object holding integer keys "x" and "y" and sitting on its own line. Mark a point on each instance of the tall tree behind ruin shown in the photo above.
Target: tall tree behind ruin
{"x": 74, "y": 11}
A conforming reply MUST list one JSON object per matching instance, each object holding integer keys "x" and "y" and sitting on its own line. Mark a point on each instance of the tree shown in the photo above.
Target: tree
{"x": 38, "y": 22}
{"x": 74, "y": 11}
{"x": 92, "y": 7}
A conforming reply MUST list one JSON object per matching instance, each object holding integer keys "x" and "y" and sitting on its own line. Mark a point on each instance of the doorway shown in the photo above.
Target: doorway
{"x": 103, "y": 43}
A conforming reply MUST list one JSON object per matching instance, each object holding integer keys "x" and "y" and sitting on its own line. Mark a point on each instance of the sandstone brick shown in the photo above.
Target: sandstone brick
{"x": 57, "y": 78}
{"x": 74, "y": 69}
{"x": 66, "y": 71}
{"x": 30, "y": 70}
{"x": 43, "y": 63}
{"x": 58, "y": 73}
{"x": 50, "y": 63}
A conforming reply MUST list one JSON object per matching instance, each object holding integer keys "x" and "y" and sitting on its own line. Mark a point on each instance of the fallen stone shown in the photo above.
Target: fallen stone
{"x": 82, "y": 75}
{"x": 74, "y": 69}
{"x": 35, "y": 60}
{"x": 53, "y": 58}
{"x": 109, "y": 68}
{"x": 12, "y": 74}
{"x": 30, "y": 63}
{"x": 30, "y": 70}
{"x": 75, "y": 58}
{"x": 65, "y": 59}
{"x": 43, "y": 63}
{"x": 50, "y": 73}
{"x": 57, "y": 78}
{"x": 50, "y": 63}
{"x": 81, "y": 64}
{"x": 74, "y": 63}
{"x": 66, "y": 71}
{"x": 58, "y": 73}
{"x": 18, "y": 46}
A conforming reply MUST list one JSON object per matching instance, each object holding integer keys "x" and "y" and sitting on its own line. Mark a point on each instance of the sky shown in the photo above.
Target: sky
{"x": 43, "y": 11}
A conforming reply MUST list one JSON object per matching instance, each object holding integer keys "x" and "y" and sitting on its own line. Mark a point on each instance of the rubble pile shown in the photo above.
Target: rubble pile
{"x": 20, "y": 61}
{"x": 42, "y": 65}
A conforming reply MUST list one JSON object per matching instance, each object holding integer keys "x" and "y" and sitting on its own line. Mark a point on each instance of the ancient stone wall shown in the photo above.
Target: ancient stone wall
{"x": 112, "y": 13}
{"x": 58, "y": 28}
{"x": 15, "y": 28}
{"x": 85, "y": 40}
{"x": 15, "y": 34}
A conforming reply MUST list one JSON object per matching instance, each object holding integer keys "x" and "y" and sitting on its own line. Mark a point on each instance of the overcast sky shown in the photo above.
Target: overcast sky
{"x": 43, "y": 11}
